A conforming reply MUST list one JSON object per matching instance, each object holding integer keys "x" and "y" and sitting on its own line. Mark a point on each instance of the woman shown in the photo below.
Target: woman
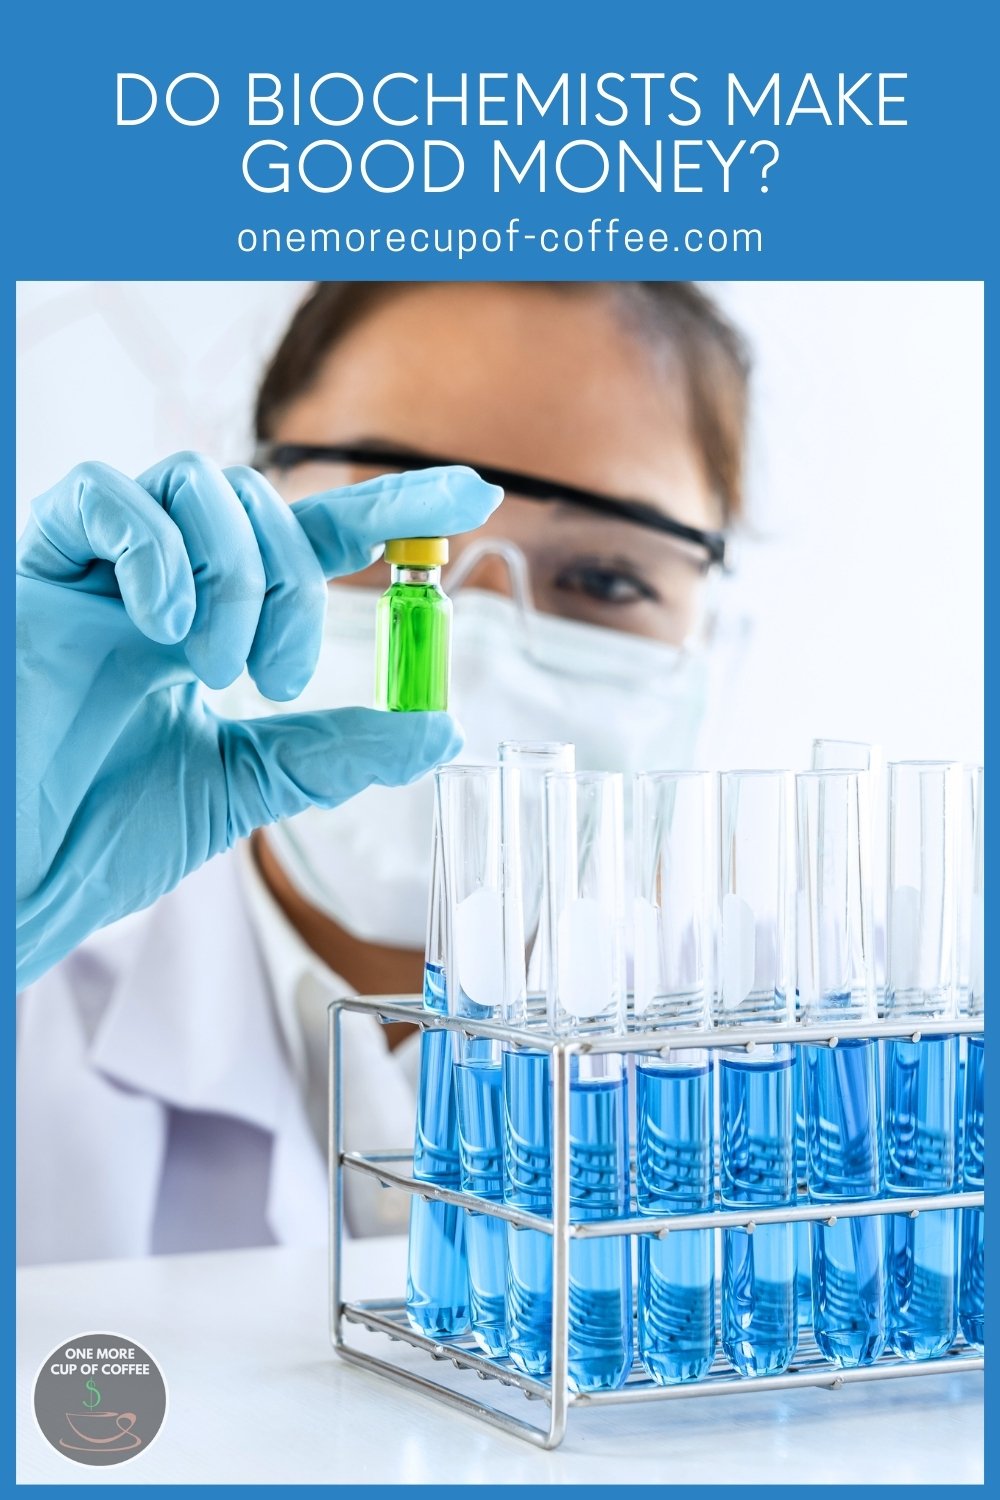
{"x": 172, "y": 1066}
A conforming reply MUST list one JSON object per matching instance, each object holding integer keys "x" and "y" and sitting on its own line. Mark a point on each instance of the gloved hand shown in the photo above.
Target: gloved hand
{"x": 129, "y": 592}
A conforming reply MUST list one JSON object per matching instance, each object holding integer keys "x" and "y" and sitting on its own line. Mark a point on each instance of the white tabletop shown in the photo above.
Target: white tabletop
{"x": 257, "y": 1396}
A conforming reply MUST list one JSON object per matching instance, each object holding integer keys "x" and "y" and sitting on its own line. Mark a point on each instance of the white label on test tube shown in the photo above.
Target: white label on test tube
{"x": 479, "y": 947}
{"x": 739, "y": 950}
{"x": 585, "y": 967}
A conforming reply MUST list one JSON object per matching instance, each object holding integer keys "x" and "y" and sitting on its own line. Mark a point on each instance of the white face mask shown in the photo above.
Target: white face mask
{"x": 626, "y": 703}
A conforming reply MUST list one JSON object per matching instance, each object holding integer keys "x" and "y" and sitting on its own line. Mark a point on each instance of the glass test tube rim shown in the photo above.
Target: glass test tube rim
{"x": 835, "y": 739}
{"x": 754, "y": 771}
{"x": 929, "y": 765}
{"x": 586, "y": 778}
{"x": 541, "y": 748}
{"x": 687, "y": 774}
{"x": 466, "y": 768}
{"x": 830, "y": 773}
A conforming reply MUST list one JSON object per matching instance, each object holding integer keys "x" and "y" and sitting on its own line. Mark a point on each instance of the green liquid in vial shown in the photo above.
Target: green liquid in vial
{"x": 413, "y": 647}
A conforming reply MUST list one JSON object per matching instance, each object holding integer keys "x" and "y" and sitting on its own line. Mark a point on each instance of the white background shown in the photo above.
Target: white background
{"x": 864, "y": 581}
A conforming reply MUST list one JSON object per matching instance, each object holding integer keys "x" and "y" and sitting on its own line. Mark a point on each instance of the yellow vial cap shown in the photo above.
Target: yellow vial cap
{"x": 417, "y": 551}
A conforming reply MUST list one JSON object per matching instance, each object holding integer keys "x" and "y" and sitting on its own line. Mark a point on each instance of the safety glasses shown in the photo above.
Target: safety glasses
{"x": 285, "y": 456}
{"x": 592, "y": 557}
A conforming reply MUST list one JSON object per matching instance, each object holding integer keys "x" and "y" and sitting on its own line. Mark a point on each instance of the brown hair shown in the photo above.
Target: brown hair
{"x": 712, "y": 354}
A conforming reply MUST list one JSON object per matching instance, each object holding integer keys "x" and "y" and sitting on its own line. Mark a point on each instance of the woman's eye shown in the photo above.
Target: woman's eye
{"x": 609, "y": 583}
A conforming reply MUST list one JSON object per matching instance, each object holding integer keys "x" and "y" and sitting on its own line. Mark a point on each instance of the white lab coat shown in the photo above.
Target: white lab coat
{"x": 168, "y": 1098}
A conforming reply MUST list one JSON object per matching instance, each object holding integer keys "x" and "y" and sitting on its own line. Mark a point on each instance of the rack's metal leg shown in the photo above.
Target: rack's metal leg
{"x": 513, "y": 1426}
{"x": 335, "y": 1147}
{"x": 559, "y": 1069}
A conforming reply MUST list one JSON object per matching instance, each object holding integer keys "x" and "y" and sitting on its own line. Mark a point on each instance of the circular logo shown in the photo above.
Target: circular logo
{"x": 100, "y": 1399}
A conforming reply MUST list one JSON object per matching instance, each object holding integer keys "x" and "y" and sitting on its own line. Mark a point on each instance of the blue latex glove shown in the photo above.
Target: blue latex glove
{"x": 129, "y": 592}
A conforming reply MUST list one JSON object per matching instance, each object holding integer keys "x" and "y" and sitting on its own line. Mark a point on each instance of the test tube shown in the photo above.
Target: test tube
{"x": 585, "y": 888}
{"x": 920, "y": 1076}
{"x": 839, "y": 755}
{"x": 526, "y": 1093}
{"x": 858, "y": 755}
{"x": 969, "y": 932}
{"x": 965, "y": 936}
{"x": 971, "y": 1280}
{"x": 675, "y": 883}
{"x": 835, "y": 982}
{"x": 468, "y": 800}
{"x": 756, "y": 1112}
{"x": 524, "y": 764}
{"x": 437, "y": 1282}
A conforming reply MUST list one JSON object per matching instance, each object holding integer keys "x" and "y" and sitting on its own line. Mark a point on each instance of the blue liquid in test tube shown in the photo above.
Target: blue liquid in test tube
{"x": 528, "y": 1186}
{"x": 468, "y": 809}
{"x": 848, "y": 1269}
{"x": 676, "y": 890}
{"x": 973, "y": 1143}
{"x": 971, "y": 1290}
{"x": 600, "y": 1302}
{"x": 478, "y": 1081}
{"x": 674, "y": 1171}
{"x": 803, "y": 1231}
{"x": 759, "y": 1324}
{"x": 437, "y": 1286}
{"x": 757, "y": 1096}
{"x": 585, "y": 994}
{"x": 526, "y": 1093}
{"x": 835, "y": 981}
{"x": 600, "y": 1271}
{"x": 921, "y": 1157}
{"x": 921, "y": 1077}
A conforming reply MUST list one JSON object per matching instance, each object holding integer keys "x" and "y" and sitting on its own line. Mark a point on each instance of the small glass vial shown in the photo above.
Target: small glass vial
{"x": 413, "y": 628}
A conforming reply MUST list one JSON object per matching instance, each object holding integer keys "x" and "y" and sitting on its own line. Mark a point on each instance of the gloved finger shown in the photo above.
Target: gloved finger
{"x": 348, "y": 527}
{"x": 97, "y": 515}
{"x": 279, "y": 766}
{"x": 225, "y": 560}
{"x": 290, "y": 630}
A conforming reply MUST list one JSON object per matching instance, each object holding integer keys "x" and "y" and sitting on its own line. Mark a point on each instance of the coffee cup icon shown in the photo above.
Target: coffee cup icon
{"x": 102, "y": 1429}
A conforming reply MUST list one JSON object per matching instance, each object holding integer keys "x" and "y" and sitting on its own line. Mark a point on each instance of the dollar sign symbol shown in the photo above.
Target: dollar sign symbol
{"x": 95, "y": 1397}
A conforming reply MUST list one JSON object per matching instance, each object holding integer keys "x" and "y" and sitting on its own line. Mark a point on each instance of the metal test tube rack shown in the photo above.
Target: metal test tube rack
{"x": 388, "y": 1315}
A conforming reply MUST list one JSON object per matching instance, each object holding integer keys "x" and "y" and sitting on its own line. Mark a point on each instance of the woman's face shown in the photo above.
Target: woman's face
{"x": 550, "y": 383}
